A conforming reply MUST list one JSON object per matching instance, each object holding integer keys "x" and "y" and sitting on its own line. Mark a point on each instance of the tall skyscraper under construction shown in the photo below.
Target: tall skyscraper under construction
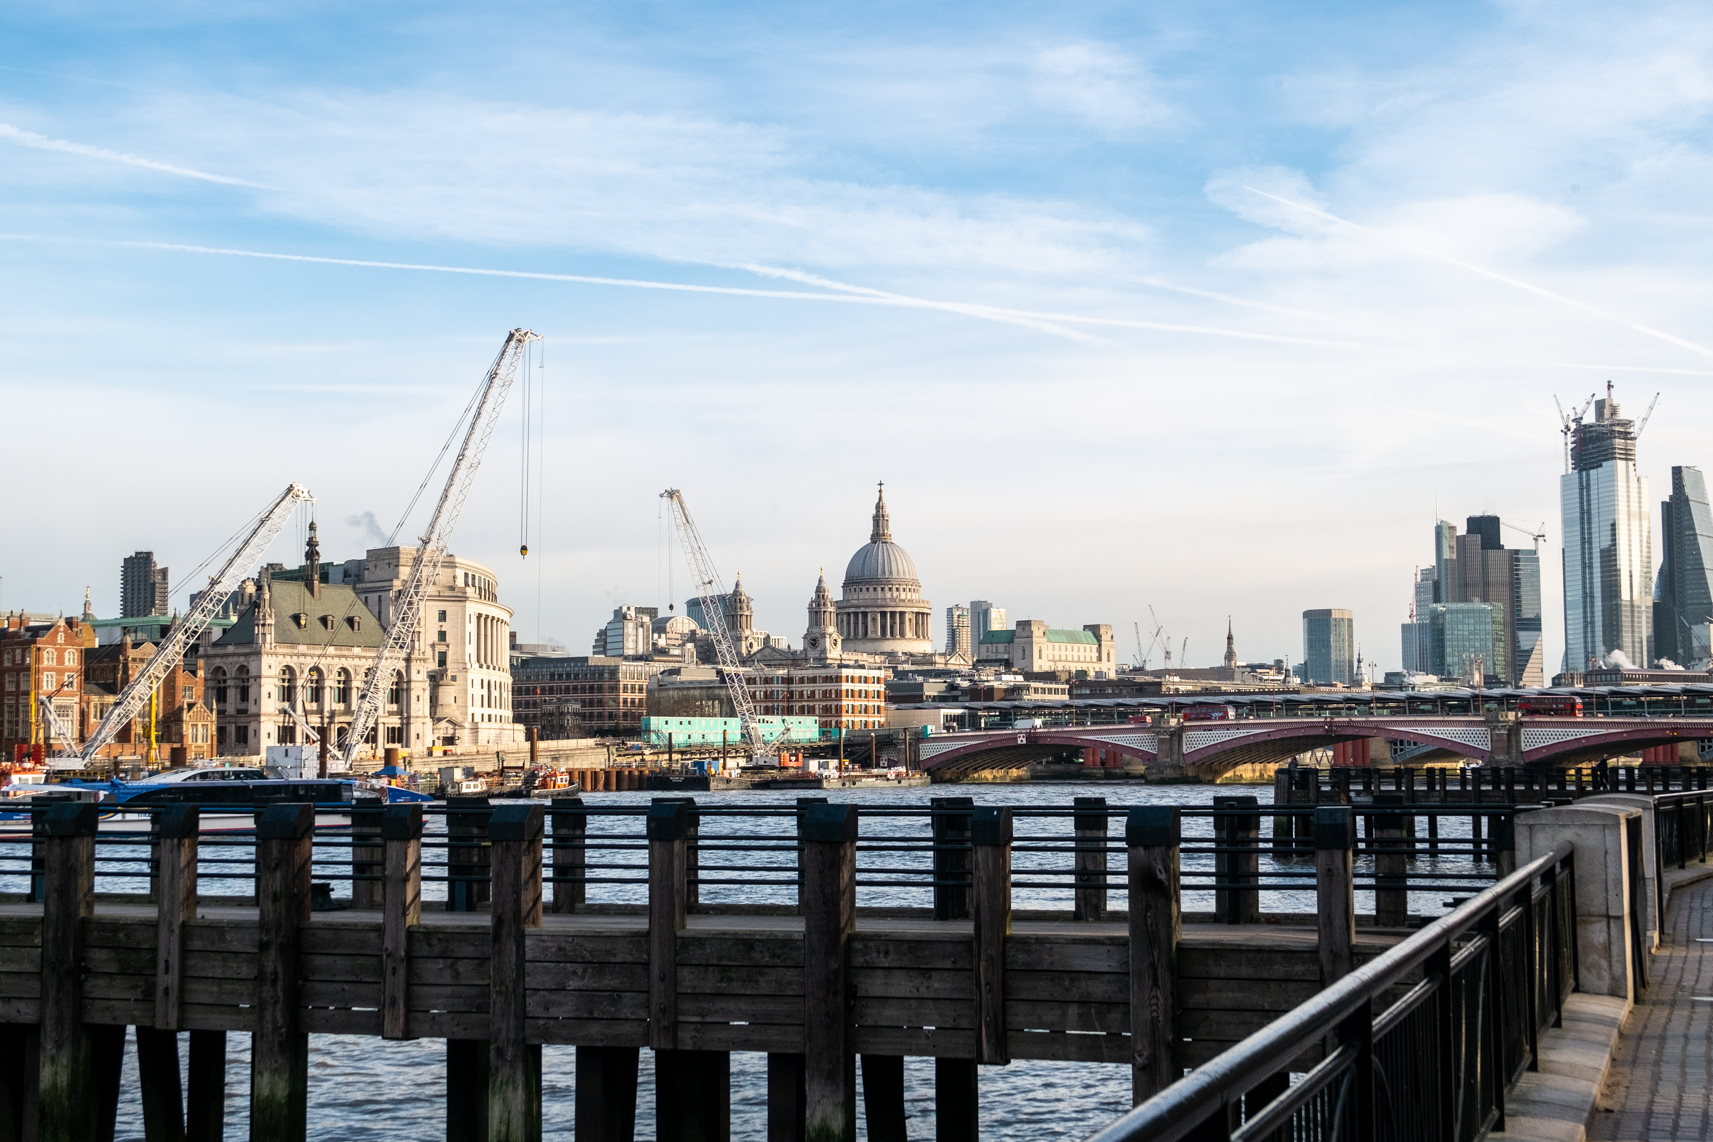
{"x": 1608, "y": 544}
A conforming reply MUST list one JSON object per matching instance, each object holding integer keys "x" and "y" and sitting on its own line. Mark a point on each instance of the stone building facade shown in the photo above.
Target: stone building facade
{"x": 1038, "y": 648}
{"x": 881, "y": 609}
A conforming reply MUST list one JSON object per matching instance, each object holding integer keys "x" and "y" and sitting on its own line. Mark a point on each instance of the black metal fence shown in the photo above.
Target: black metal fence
{"x": 1433, "y": 1064}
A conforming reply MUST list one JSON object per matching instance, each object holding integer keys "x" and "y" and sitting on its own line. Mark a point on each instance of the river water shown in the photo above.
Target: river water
{"x": 362, "y": 1088}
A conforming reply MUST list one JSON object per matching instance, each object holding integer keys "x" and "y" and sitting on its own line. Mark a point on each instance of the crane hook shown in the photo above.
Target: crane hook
{"x": 523, "y": 550}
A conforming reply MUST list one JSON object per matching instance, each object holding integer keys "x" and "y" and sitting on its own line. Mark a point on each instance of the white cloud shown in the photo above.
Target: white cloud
{"x": 1097, "y": 84}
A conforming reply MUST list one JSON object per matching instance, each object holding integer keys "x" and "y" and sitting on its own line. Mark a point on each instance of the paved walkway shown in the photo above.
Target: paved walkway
{"x": 1661, "y": 1083}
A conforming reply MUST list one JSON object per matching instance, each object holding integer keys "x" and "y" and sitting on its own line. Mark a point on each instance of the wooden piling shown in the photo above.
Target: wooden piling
{"x": 401, "y": 910}
{"x": 951, "y": 827}
{"x": 68, "y": 1105}
{"x": 205, "y": 1118}
{"x": 466, "y": 853}
{"x": 1391, "y": 890}
{"x": 829, "y": 916}
{"x": 1089, "y": 901}
{"x": 279, "y": 1060}
{"x": 368, "y": 859}
{"x": 107, "y": 1042}
{"x": 1156, "y": 925}
{"x": 802, "y": 804}
{"x": 176, "y": 831}
{"x": 1335, "y": 892}
{"x": 570, "y": 856}
{"x": 514, "y": 1064}
{"x": 668, "y": 822}
{"x": 606, "y": 1094}
{"x": 990, "y": 849}
{"x": 786, "y": 1113}
{"x": 693, "y": 1096}
{"x": 466, "y": 1090}
{"x": 957, "y": 1101}
{"x": 692, "y": 858}
{"x": 158, "y": 1077}
{"x": 883, "y": 1098}
{"x": 1237, "y": 861}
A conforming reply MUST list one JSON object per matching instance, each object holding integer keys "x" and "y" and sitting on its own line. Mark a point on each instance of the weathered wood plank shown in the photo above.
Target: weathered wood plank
{"x": 741, "y": 981}
{"x": 118, "y": 1012}
{"x": 340, "y": 1021}
{"x": 1087, "y": 987}
{"x": 219, "y": 965}
{"x": 329, "y": 993}
{"x": 561, "y": 947}
{"x": 740, "y": 1008}
{"x": 218, "y": 936}
{"x": 443, "y": 971}
{"x": 345, "y": 969}
{"x": 1245, "y": 995}
{"x": 740, "y": 1037}
{"x": 990, "y": 896}
{"x": 120, "y": 932}
{"x": 279, "y": 1048}
{"x": 447, "y": 1025}
{"x": 20, "y": 1009}
{"x": 589, "y": 1032}
{"x": 177, "y": 832}
{"x": 889, "y": 1012}
{"x": 587, "y": 1005}
{"x": 401, "y": 910}
{"x": 879, "y": 982}
{"x": 125, "y": 961}
{"x": 668, "y": 903}
{"x": 740, "y": 951}
{"x": 462, "y": 999}
{"x": 586, "y": 977}
{"x": 827, "y": 899}
{"x": 1041, "y": 953}
{"x": 1070, "y": 1048}
{"x": 514, "y": 1066}
{"x": 69, "y": 1098}
{"x": 126, "y": 987}
{"x": 921, "y": 1042}
{"x": 344, "y": 939}
{"x": 1156, "y": 927}
{"x": 219, "y": 991}
{"x": 1111, "y": 1018}
{"x": 14, "y": 985}
{"x": 217, "y": 1017}
{"x": 955, "y": 951}
{"x": 427, "y": 942}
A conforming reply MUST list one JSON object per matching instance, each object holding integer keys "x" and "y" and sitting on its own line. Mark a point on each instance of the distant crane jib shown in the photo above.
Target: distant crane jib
{"x": 171, "y": 650}
{"x": 708, "y": 589}
{"x": 425, "y": 570}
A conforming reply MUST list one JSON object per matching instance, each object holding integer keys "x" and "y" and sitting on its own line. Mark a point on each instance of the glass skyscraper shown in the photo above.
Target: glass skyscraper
{"x": 1329, "y": 646}
{"x": 1608, "y": 548}
{"x": 1683, "y": 600}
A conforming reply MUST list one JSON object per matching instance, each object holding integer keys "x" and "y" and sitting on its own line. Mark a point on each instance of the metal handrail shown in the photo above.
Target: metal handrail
{"x": 1182, "y": 1108}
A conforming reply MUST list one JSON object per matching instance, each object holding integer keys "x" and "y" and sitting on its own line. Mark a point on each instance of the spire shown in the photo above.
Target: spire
{"x": 312, "y": 561}
{"x": 882, "y": 532}
{"x": 1230, "y": 646}
{"x": 88, "y": 608}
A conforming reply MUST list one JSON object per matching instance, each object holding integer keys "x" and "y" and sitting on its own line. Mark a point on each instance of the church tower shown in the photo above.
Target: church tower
{"x": 1230, "y": 646}
{"x": 739, "y": 613}
{"x": 821, "y": 640}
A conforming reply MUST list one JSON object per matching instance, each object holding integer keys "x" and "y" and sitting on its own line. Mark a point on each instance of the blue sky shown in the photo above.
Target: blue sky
{"x": 1129, "y": 354}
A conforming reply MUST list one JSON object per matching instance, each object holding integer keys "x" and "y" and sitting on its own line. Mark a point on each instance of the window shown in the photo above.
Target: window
{"x": 301, "y": 619}
{"x": 241, "y": 735}
{"x": 220, "y": 688}
{"x": 326, "y": 622}
{"x": 354, "y": 622}
{"x": 342, "y": 688}
{"x": 442, "y": 616}
{"x": 440, "y": 660}
{"x": 312, "y": 686}
{"x": 288, "y": 686}
{"x": 441, "y": 637}
{"x": 393, "y": 690}
{"x": 48, "y": 680}
{"x": 71, "y": 658}
{"x": 70, "y": 682}
{"x": 220, "y": 735}
{"x": 243, "y": 677}
{"x": 48, "y": 656}
{"x": 287, "y": 734}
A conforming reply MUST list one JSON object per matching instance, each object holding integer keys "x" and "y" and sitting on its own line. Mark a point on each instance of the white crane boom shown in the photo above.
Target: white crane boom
{"x": 170, "y": 653}
{"x": 709, "y": 588}
{"x": 407, "y": 604}
{"x": 309, "y": 731}
{"x": 56, "y": 728}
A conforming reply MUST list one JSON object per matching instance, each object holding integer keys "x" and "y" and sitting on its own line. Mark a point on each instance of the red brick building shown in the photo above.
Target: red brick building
{"x": 42, "y": 657}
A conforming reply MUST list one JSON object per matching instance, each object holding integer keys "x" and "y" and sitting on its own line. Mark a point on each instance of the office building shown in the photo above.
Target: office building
{"x": 1329, "y": 647}
{"x": 143, "y": 587}
{"x": 958, "y": 630}
{"x": 984, "y": 616}
{"x": 1608, "y": 544}
{"x": 1477, "y": 567}
{"x": 1465, "y": 639}
{"x": 628, "y": 634}
{"x": 1683, "y": 599}
{"x": 1037, "y": 648}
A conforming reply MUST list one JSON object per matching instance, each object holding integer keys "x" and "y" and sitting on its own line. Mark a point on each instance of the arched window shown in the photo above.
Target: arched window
{"x": 71, "y": 658}
{"x": 312, "y": 686}
{"x": 288, "y": 686}
{"x": 242, "y": 675}
{"x": 342, "y": 688}
{"x": 48, "y": 656}
{"x": 220, "y": 685}
{"x": 394, "y": 689}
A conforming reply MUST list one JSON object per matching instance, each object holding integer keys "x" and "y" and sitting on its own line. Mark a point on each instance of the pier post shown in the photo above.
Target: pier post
{"x": 829, "y": 916}
{"x": 20, "y": 1079}
{"x": 957, "y": 1100}
{"x": 802, "y": 804}
{"x": 466, "y": 853}
{"x": 466, "y": 1090}
{"x": 367, "y": 859}
{"x": 570, "y": 856}
{"x": 692, "y": 858}
{"x": 786, "y": 1110}
{"x": 990, "y": 841}
{"x": 606, "y": 1094}
{"x": 1391, "y": 890}
{"x": 951, "y": 825}
{"x": 65, "y": 838}
{"x": 883, "y": 1098}
{"x": 1335, "y": 892}
{"x": 161, "y": 1093}
{"x": 693, "y": 1096}
{"x": 668, "y": 822}
{"x": 108, "y": 1040}
{"x": 1089, "y": 901}
{"x": 176, "y": 829}
{"x": 205, "y": 1120}
{"x": 1237, "y": 861}
{"x": 514, "y": 1065}
{"x": 279, "y": 1054}
{"x": 401, "y": 910}
{"x": 1156, "y": 925}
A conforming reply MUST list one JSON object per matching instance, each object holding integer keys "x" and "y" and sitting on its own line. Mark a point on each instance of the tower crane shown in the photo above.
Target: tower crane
{"x": 56, "y": 728}
{"x": 186, "y": 630}
{"x": 425, "y": 569}
{"x": 708, "y": 587}
{"x": 1535, "y": 533}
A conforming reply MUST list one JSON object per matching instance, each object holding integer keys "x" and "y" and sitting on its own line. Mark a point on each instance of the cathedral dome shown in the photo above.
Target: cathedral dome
{"x": 880, "y": 558}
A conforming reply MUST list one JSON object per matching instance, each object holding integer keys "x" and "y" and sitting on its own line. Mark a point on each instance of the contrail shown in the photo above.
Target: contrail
{"x": 43, "y": 143}
{"x": 977, "y": 309}
{"x": 1486, "y": 273}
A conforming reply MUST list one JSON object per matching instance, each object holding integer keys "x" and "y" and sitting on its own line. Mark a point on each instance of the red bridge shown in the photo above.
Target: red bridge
{"x": 1210, "y": 749}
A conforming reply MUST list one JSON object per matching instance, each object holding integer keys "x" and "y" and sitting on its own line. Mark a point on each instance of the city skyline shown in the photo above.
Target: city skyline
{"x": 1250, "y": 260}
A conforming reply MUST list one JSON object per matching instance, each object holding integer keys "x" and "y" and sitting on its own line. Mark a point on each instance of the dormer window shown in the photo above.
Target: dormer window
{"x": 301, "y": 619}
{"x": 326, "y": 622}
{"x": 355, "y": 622}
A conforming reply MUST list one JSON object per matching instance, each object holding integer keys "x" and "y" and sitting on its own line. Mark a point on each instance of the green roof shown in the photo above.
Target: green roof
{"x": 337, "y": 603}
{"x": 998, "y": 636}
{"x": 1085, "y": 637}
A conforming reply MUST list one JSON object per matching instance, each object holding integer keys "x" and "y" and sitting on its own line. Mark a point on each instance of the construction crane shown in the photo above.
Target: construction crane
{"x": 709, "y": 588}
{"x": 56, "y": 728}
{"x": 1140, "y": 661}
{"x": 186, "y": 630}
{"x": 1535, "y": 533}
{"x": 425, "y": 570}
{"x": 1160, "y": 638}
{"x": 1568, "y": 422}
{"x": 1642, "y": 425}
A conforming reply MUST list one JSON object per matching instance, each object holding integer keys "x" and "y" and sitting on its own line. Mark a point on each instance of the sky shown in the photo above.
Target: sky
{"x": 1209, "y": 310}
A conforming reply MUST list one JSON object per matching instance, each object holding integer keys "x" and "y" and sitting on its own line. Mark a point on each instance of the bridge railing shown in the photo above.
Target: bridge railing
{"x": 1434, "y": 1063}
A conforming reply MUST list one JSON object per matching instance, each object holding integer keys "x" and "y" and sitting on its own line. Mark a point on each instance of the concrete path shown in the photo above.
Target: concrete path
{"x": 1661, "y": 1083}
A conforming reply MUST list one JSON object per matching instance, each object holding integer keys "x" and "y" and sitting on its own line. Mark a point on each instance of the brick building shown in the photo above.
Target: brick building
{"x": 609, "y": 695}
{"x": 846, "y": 696}
{"x": 42, "y": 656}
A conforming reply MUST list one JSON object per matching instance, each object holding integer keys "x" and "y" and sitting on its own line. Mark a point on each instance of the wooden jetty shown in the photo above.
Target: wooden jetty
{"x": 518, "y": 957}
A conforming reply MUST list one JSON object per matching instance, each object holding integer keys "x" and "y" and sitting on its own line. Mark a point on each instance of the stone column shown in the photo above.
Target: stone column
{"x": 1605, "y": 951}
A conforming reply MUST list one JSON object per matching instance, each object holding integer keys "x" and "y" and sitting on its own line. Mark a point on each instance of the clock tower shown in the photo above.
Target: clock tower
{"x": 821, "y": 640}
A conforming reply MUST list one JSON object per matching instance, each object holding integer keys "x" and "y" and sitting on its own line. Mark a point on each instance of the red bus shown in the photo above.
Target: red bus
{"x": 1139, "y": 720}
{"x": 1552, "y": 705}
{"x": 1210, "y": 713}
